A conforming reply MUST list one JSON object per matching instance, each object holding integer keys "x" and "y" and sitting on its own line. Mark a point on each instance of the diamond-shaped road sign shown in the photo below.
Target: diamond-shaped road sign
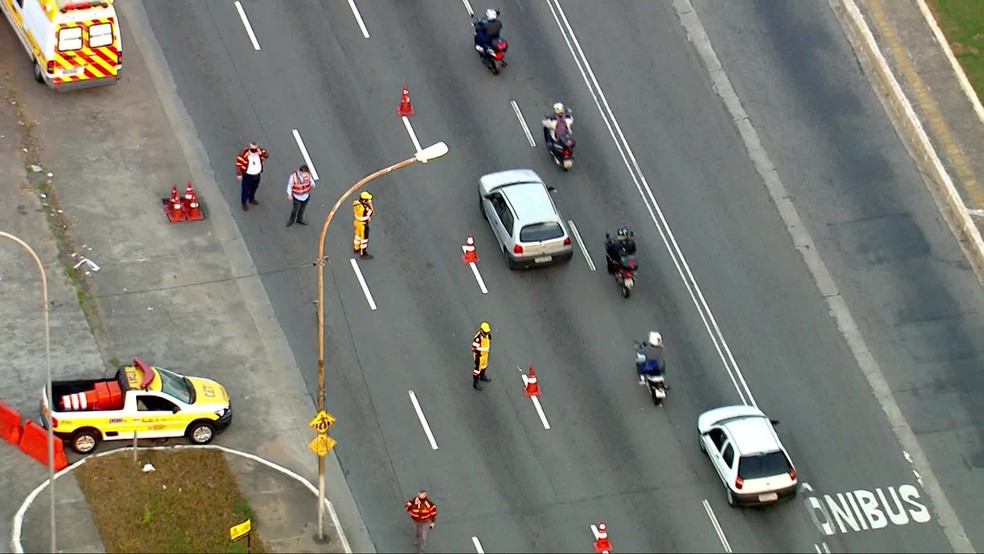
{"x": 322, "y": 422}
{"x": 322, "y": 444}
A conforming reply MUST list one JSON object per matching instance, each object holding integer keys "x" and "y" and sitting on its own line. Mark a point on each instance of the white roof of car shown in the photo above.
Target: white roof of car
{"x": 493, "y": 181}
{"x": 750, "y": 429}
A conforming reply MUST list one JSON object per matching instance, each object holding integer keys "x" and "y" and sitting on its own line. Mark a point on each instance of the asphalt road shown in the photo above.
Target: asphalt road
{"x": 497, "y": 473}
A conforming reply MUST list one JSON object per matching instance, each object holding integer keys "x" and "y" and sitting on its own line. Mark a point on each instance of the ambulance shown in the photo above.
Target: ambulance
{"x": 72, "y": 43}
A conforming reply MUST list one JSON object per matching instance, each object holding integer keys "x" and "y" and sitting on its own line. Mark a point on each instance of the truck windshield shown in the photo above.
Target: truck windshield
{"x": 175, "y": 386}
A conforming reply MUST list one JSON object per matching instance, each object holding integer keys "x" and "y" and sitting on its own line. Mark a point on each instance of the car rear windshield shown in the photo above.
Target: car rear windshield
{"x": 763, "y": 465}
{"x": 539, "y": 232}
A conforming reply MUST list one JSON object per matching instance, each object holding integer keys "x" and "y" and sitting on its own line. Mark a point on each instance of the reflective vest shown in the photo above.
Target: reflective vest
{"x": 242, "y": 160}
{"x": 421, "y": 510}
{"x": 363, "y": 212}
{"x": 299, "y": 185}
{"x": 480, "y": 344}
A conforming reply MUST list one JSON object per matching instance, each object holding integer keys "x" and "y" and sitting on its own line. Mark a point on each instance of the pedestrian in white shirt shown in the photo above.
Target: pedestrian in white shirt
{"x": 249, "y": 166}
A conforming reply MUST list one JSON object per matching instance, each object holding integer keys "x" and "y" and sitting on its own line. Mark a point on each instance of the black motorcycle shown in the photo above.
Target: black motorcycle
{"x": 561, "y": 149}
{"x": 623, "y": 269}
{"x": 493, "y": 56}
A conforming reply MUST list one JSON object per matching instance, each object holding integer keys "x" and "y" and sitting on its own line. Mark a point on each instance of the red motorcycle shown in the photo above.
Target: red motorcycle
{"x": 625, "y": 273}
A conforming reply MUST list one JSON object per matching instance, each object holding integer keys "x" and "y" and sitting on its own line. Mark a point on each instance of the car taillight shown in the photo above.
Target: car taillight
{"x": 54, "y": 422}
{"x": 51, "y": 67}
{"x": 517, "y": 249}
{"x": 498, "y": 55}
{"x": 567, "y": 151}
{"x": 567, "y": 241}
{"x": 739, "y": 482}
{"x": 792, "y": 474}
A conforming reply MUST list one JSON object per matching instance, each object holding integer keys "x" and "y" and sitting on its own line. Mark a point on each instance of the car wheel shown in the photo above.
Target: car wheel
{"x": 85, "y": 441}
{"x": 731, "y": 499}
{"x": 700, "y": 443}
{"x": 509, "y": 261}
{"x": 38, "y": 72}
{"x": 201, "y": 432}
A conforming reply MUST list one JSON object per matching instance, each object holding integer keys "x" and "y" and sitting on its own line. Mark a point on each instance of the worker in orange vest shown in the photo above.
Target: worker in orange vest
{"x": 363, "y": 211}
{"x": 249, "y": 166}
{"x": 480, "y": 354}
{"x": 299, "y": 192}
{"x": 422, "y": 512}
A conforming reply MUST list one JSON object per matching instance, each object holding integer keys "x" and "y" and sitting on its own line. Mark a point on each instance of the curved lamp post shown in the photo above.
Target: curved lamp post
{"x": 47, "y": 370}
{"x": 427, "y": 154}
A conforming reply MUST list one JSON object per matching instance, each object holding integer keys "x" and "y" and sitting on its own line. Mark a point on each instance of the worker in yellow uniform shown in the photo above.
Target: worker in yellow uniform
{"x": 363, "y": 211}
{"x": 480, "y": 354}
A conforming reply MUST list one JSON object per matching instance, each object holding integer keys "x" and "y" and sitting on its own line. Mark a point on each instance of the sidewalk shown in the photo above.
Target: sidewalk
{"x": 184, "y": 296}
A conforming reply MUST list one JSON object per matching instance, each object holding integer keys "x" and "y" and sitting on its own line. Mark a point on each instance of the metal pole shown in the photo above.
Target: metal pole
{"x": 322, "y": 261}
{"x": 47, "y": 370}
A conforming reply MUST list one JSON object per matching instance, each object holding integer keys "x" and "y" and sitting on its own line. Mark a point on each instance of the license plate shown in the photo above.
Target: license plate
{"x": 542, "y": 259}
{"x": 769, "y": 497}
{"x": 70, "y": 70}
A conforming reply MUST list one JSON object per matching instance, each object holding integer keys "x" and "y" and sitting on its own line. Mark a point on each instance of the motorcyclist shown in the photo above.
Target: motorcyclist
{"x": 487, "y": 30}
{"x": 561, "y": 123}
{"x": 615, "y": 248}
{"x": 653, "y": 364}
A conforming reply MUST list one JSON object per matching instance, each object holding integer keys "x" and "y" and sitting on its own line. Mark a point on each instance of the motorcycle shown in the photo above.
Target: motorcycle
{"x": 493, "y": 57}
{"x": 562, "y": 149}
{"x": 655, "y": 383}
{"x": 625, "y": 270}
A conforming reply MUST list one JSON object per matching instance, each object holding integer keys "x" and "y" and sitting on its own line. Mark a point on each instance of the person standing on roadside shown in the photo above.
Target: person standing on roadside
{"x": 299, "y": 191}
{"x": 249, "y": 166}
{"x": 422, "y": 512}
{"x": 480, "y": 354}
{"x": 362, "y": 211}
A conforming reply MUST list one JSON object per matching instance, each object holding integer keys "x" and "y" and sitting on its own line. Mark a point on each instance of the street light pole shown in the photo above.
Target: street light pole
{"x": 423, "y": 156}
{"x": 47, "y": 370}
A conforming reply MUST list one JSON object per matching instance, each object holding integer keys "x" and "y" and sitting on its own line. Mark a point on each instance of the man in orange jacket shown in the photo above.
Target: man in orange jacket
{"x": 249, "y": 166}
{"x": 422, "y": 512}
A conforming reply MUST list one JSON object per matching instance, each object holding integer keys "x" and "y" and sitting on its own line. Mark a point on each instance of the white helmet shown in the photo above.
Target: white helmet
{"x": 655, "y": 338}
{"x": 559, "y": 108}
{"x": 491, "y": 14}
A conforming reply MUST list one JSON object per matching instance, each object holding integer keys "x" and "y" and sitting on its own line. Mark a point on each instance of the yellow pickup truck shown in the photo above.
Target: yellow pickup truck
{"x": 149, "y": 402}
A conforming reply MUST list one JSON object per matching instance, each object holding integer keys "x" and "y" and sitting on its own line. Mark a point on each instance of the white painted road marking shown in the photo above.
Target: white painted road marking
{"x": 861, "y": 510}
{"x": 584, "y": 250}
{"x": 717, "y": 526}
{"x": 413, "y": 136}
{"x": 423, "y": 420}
{"x": 362, "y": 283}
{"x": 468, "y": 7}
{"x": 824, "y": 550}
{"x": 536, "y": 401}
{"x": 249, "y": 28}
{"x": 358, "y": 17}
{"x": 478, "y": 276}
{"x": 655, "y": 212}
{"x": 522, "y": 123}
{"x": 478, "y": 545}
{"x": 305, "y": 155}
{"x": 594, "y": 531}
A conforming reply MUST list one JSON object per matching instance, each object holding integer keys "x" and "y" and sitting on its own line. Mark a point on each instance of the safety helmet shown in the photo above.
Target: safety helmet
{"x": 622, "y": 233}
{"x": 365, "y": 195}
{"x": 485, "y": 327}
{"x": 491, "y": 14}
{"x": 559, "y": 108}
{"x": 655, "y": 338}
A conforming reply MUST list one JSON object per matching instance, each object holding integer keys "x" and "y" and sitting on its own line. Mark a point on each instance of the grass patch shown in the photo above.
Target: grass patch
{"x": 187, "y": 505}
{"x": 962, "y": 22}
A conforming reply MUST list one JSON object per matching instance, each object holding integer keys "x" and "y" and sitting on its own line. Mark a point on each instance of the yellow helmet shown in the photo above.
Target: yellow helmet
{"x": 365, "y": 195}
{"x": 485, "y": 327}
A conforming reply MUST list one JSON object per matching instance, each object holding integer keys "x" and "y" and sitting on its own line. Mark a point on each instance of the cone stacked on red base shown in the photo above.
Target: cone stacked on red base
{"x": 470, "y": 256}
{"x": 405, "y": 108}
{"x": 602, "y": 544}
{"x": 532, "y": 388}
{"x": 192, "y": 211}
{"x": 173, "y": 207}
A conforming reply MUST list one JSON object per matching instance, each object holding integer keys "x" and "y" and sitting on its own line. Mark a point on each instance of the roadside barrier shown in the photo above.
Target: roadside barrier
{"x": 9, "y": 424}
{"x": 34, "y": 443}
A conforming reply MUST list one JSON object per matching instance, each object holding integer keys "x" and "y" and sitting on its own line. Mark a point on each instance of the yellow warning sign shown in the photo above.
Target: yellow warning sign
{"x": 322, "y": 422}
{"x": 322, "y": 444}
{"x": 237, "y": 531}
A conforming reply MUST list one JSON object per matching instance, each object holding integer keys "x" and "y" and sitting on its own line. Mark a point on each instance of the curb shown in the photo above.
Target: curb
{"x": 18, "y": 522}
{"x": 951, "y": 206}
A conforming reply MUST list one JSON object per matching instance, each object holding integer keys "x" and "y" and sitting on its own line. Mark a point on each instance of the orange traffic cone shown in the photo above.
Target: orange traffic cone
{"x": 192, "y": 210}
{"x": 470, "y": 256}
{"x": 532, "y": 388}
{"x": 173, "y": 207}
{"x": 405, "y": 108}
{"x": 602, "y": 543}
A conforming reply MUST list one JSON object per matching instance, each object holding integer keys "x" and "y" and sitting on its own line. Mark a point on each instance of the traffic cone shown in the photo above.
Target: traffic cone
{"x": 532, "y": 388}
{"x": 192, "y": 210}
{"x": 602, "y": 543}
{"x": 470, "y": 256}
{"x": 173, "y": 207}
{"x": 405, "y": 108}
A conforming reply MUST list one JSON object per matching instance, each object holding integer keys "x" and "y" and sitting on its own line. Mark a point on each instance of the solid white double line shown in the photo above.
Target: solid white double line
{"x": 717, "y": 526}
{"x": 655, "y": 213}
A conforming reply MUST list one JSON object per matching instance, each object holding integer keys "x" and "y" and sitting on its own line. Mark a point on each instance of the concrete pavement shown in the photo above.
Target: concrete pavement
{"x": 185, "y": 296}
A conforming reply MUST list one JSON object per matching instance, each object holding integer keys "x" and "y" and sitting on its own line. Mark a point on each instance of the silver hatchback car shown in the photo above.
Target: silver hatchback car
{"x": 524, "y": 219}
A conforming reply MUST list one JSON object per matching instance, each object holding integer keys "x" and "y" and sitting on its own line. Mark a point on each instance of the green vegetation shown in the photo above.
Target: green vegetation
{"x": 187, "y": 504}
{"x": 962, "y": 22}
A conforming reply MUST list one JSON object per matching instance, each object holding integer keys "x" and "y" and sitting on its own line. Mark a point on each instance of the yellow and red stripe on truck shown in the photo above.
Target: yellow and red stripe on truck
{"x": 99, "y": 62}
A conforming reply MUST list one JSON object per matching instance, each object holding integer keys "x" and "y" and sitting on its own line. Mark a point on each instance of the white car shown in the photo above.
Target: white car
{"x": 747, "y": 454}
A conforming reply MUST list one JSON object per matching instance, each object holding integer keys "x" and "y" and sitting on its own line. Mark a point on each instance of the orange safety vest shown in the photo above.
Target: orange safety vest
{"x": 421, "y": 510}
{"x": 242, "y": 160}
{"x": 299, "y": 185}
